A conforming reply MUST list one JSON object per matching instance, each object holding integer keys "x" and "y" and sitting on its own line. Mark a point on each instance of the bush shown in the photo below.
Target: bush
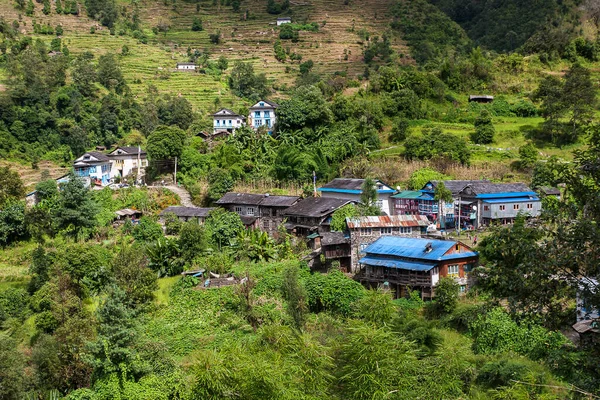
{"x": 287, "y": 32}
{"x": 332, "y": 292}
{"x": 147, "y": 230}
{"x": 197, "y": 24}
{"x": 399, "y": 130}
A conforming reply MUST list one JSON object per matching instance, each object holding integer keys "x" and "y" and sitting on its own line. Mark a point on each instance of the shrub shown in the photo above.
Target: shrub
{"x": 399, "y": 130}
{"x": 197, "y": 24}
{"x": 147, "y": 230}
{"x": 332, "y": 292}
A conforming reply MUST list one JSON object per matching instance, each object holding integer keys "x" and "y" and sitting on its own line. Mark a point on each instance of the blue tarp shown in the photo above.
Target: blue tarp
{"x": 400, "y": 264}
{"x": 512, "y": 200}
{"x": 506, "y": 195}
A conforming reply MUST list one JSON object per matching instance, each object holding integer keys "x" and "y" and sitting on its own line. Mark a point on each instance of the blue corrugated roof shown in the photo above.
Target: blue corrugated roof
{"x": 505, "y": 194}
{"x": 512, "y": 200}
{"x": 408, "y": 265}
{"x": 351, "y": 191}
{"x": 414, "y": 248}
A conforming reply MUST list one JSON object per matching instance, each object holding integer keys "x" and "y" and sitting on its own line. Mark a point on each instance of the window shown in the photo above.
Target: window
{"x": 529, "y": 206}
{"x": 486, "y": 208}
{"x": 502, "y": 208}
{"x": 229, "y": 122}
{"x": 457, "y": 247}
{"x": 257, "y": 114}
{"x": 379, "y": 203}
{"x": 515, "y": 206}
{"x": 406, "y": 230}
{"x": 463, "y": 288}
{"x": 268, "y": 122}
{"x": 218, "y": 122}
{"x": 266, "y": 224}
{"x": 453, "y": 270}
{"x": 366, "y": 231}
{"x": 257, "y": 123}
{"x": 262, "y": 104}
{"x": 238, "y": 210}
{"x": 267, "y": 114}
{"x": 93, "y": 169}
{"x": 386, "y": 231}
{"x": 250, "y": 211}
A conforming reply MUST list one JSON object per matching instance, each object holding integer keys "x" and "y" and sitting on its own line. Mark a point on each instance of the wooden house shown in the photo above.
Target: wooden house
{"x": 312, "y": 215}
{"x": 262, "y": 211}
{"x": 186, "y": 213}
{"x": 401, "y": 263}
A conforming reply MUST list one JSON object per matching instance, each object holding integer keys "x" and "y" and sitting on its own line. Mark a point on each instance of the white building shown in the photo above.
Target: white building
{"x": 94, "y": 165}
{"x": 186, "y": 66}
{"x": 226, "y": 120}
{"x": 125, "y": 161}
{"x": 351, "y": 189}
{"x": 263, "y": 114}
{"x": 284, "y": 20}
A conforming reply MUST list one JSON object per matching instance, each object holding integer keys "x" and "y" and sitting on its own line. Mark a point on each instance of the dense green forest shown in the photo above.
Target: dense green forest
{"x": 374, "y": 88}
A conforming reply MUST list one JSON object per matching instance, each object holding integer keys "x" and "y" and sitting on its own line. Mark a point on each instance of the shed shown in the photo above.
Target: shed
{"x": 186, "y": 66}
{"x": 186, "y": 213}
{"x": 127, "y": 213}
{"x": 284, "y": 20}
{"x": 481, "y": 98}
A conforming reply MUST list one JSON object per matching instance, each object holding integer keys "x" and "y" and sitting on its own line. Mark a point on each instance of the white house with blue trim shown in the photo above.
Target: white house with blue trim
{"x": 227, "y": 121}
{"x": 351, "y": 189}
{"x": 94, "y": 165}
{"x": 263, "y": 114}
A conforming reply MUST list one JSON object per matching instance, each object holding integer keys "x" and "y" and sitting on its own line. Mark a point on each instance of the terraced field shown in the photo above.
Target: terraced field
{"x": 336, "y": 47}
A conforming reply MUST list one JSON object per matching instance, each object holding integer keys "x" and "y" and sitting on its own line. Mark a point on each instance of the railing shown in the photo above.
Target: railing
{"x": 337, "y": 253}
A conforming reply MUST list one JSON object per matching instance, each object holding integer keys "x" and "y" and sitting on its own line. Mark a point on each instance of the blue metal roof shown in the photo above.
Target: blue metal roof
{"x": 408, "y": 265}
{"x": 352, "y": 191}
{"x": 505, "y": 194}
{"x": 414, "y": 248}
{"x": 512, "y": 200}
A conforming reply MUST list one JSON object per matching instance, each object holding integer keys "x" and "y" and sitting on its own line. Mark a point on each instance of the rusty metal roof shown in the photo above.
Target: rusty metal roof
{"x": 392, "y": 221}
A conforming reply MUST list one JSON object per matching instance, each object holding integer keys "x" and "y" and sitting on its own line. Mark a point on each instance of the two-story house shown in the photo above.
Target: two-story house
{"x": 262, "y": 211}
{"x": 413, "y": 202}
{"x": 227, "y": 121}
{"x": 499, "y": 202}
{"x": 263, "y": 114}
{"x": 126, "y": 161}
{"x": 365, "y": 230}
{"x": 94, "y": 165}
{"x": 312, "y": 215}
{"x": 351, "y": 189}
{"x": 401, "y": 263}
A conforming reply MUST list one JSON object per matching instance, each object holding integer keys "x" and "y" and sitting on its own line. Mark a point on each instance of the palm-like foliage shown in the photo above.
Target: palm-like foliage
{"x": 164, "y": 257}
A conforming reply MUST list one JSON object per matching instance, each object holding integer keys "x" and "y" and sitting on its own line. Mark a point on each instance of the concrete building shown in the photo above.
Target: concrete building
{"x": 127, "y": 161}
{"x": 94, "y": 165}
{"x": 351, "y": 189}
{"x": 227, "y": 121}
{"x": 284, "y": 20}
{"x": 263, "y": 114}
{"x": 186, "y": 66}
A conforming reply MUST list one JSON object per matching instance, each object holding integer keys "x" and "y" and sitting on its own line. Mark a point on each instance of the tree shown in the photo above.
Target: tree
{"x": 133, "y": 276}
{"x": 11, "y": 186}
{"x": 400, "y": 130}
{"x": 338, "y": 219}
{"x": 220, "y": 182}
{"x": 12, "y": 369}
{"x": 197, "y": 24}
{"x": 306, "y": 67}
{"x": 306, "y": 108}
{"x": 446, "y": 294}
{"x": 215, "y": 38}
{"x": 245, "y": 83}
{"x": 376, "y": 307}
{"x": 235, "y": 5}
{"x": 484, "y": 128}
{"x": 165, "y": 143}
{"x": 579, "y": 94}
{"x": 435, "y": 143}
{"x": 223, "y": 226}
{"x": 147, "y": 230}
{"x": 12, "y": 223}
{"x": 193, "y": 240}
{"x": 109, "y": 73}
{"x": 442, "y": 195}
{"x": 420, "y": 177}
{"x": 222, "y": 63}
{"x": 528, "y": 156}
{"x": 295, "y": 296}
{"x": 75, "y": 211}
{"x": 368, "y": 198}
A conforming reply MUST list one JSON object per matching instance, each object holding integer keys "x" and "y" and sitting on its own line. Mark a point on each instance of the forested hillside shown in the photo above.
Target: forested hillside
{"x": 95, "y": 308}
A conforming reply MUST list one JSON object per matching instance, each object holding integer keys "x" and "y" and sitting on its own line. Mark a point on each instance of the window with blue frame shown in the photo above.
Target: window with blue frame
{"x": 267, "y": 114}
{"x": 92, "y": 169}
{"x": 268, "y": 122}
{"x": 257, "y": 123}
{"x": 256, "y": 114}
{"x": 104, "y": 168}
{"x": 262, "y": 104}
{"x": 218, "y": 123}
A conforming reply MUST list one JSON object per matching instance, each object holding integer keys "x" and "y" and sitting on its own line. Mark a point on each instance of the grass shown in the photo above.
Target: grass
{"x": 14, "y": 263}
{"x": 164, "y": 288}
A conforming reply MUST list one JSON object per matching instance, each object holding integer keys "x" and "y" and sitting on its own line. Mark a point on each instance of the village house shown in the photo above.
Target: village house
{"x": 312, "y": 215}
{"x": 365, "y": 230}
{"x": 481, "y": 98}
{"x": 430, "y": 207}
{"x": 262, "y": 211}
{"x": 333, "y": 246}
{"x": 126, "y": 161}
{"x": 547, "y": 191}
{"x": 94, "y": 165}
{"x": 186, "y": 66}
{"x": 401, "y": 263}
{"x": 498, "y": 202}
{"x": 284, "y": 20}
{"x": 351, "y": 189}
{"x": 185, "y": 214}
{"x": 263, "y": 114}
{"x": 226, "y": 120}
{"x": 413, "y": 202}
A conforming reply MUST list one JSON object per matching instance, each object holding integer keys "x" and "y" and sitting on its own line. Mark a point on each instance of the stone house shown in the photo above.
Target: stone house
{"x": 186, "y": 213}
{"x": 312, "y": 215}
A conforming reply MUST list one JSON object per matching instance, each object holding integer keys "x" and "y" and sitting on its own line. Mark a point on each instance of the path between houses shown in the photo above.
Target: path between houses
{"x": 184, "y": 195}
